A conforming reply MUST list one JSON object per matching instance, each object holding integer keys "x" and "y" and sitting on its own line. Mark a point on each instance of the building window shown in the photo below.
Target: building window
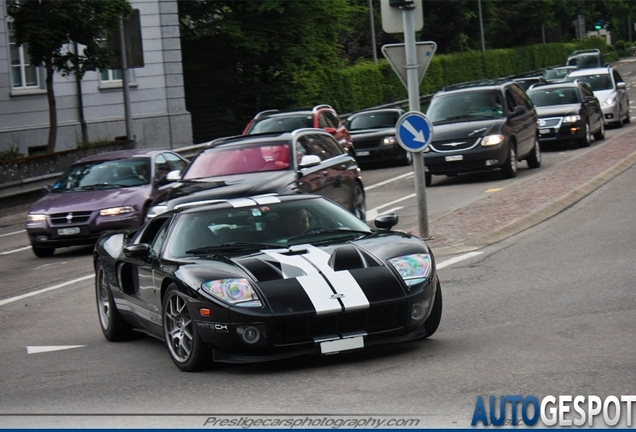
{"x": 23, "y": 74}
{"x": 110, "y": 76}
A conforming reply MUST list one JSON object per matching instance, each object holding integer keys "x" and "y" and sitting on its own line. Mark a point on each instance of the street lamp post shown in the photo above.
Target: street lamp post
{"x": 481, "y": 27}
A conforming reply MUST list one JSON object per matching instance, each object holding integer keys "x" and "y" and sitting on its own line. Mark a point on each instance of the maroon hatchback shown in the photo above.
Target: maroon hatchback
{"x": 108, "y": 191}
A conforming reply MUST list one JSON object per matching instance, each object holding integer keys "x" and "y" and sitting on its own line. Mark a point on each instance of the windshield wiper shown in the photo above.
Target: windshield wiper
{"x": 321, "y": 231}
{"x": 231, "y": 246}
{"x": 99, "y": 186}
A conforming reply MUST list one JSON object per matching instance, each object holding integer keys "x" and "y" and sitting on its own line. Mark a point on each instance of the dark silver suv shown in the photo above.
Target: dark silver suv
{"x": 480, "y": 126}
{"x": 588, "y": 58}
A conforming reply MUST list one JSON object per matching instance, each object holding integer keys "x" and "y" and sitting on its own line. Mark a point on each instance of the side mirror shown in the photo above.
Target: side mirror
{"x": 386, "y": 221}
{"x": 137, "y": 250}
{"x": 173, "y": 176}
{"x": 519, "y": 110}
{"x": 46, "y": 189}
{"x": 309, "y": 161}
{"x": 621, "y": 85}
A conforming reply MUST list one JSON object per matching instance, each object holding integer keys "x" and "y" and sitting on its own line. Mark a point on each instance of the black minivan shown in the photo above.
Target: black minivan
{"x": 479, "y": 126}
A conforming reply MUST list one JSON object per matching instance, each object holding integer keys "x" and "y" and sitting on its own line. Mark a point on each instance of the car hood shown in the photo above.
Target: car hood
{"x": 471, "y": 129}
{"x": 227, "y": 187}
{"x": 371, "y": 133}
{"x": 71, "y": 201}
{"x": 312, "y": 279}
{"x": 558, "y": 110}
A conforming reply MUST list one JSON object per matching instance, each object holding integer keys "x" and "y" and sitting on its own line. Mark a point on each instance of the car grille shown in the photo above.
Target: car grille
{"x": 70, "y": 218}
{"x": 553, "y": 122}
{"x": 373, "y": 320}
{"x": 366, "y": 143}
{"x": 454, "y": 145}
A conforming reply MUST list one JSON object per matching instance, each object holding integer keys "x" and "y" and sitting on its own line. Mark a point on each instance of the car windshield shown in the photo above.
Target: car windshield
{"x": 281, "y": 124}
{"x": 563, "y": 96}
{"x": 376, "y": 120}
{"x": 596, "y": 81}
{"x": 230, "y": 160}
{"x": 274, "y": 225}
{"x": 108, "y": 174}
{"x": 551, "y": 74}
{"x": 465, "y": 107}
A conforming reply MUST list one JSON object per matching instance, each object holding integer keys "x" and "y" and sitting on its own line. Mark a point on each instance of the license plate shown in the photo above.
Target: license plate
{"x": 335, "y": 346}
{"x": 454, "y": 158}
{"x": 362, "y": 153}
{"x": 544, "y": 131}
{"x": 68, "y": 231}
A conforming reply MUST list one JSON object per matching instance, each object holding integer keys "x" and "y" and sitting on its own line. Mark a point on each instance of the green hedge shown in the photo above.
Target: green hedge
{"x": 366, "y": 84}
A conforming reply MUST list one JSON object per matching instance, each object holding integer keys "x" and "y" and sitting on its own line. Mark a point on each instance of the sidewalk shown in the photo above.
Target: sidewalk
{"x": 529, "y": 202}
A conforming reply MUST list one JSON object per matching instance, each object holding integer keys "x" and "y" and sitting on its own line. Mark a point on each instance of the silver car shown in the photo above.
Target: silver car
{"x": 610, "y": 89}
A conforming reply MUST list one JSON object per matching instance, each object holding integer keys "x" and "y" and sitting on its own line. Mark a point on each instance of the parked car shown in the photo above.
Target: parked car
{"x": 557, "y": 73}
{"x": 302, "y": 161}
{"x": 568, "y": 111}
{"x": 373, "y": 136}
{"x": 611, "y": 91}
{"x": 107, "y": 191}
{"x": 320, "y": 116}
{"x": 266, "y": 278}
{"x": 587, "y": 58}
{"x": 480, "y": 126}
{"x": 527, "y": 82}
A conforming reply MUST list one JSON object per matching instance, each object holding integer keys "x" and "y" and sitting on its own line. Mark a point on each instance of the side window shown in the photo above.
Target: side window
{"x": 162, "y": 168}
{"x": 520, "y": 98}
{"x": 325, "y": 120}
{"x": 150, "y": 233}
{"x": 329, "y": 146}
{"x": 160, "y": 238}
{"x": 617, "y": 76}
{"x": 175, "y": 162}
{"x": 586, "y": 91}
{"x": 510, "y": 101}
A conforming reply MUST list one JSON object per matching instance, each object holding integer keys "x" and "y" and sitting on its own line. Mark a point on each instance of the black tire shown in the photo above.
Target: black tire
{"x": 600, "y": 135}
{"x": 406, "y": 159}
{"x": 628, "y": 117}
{"x": 534, "y": 159}
{"x": 359, "y": 207}
{"x": 509, "y": 168}
{"x": 185, "y": 346}
{"x": 42, "y": 252}
{"x": 432, "y": 322}
{"x": 586, "y": 140}
{"x": 428, "y": 179}
{"x": 114, "y": 327}
{"x": 619, "y": 123}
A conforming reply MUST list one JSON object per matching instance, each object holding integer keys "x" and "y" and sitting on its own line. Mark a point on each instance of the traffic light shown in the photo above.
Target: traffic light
{"x": 402, "y": 4}
{"x": 598, "y": 25}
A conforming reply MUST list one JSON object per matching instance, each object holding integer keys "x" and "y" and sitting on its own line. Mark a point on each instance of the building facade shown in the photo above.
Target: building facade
{"x": 157, "y": 110}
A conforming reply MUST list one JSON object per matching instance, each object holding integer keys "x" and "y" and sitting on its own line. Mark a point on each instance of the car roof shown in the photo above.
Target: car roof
{"x": 263, "y": 137}
{"x": 471, "y": 86}
{"x": 549, "y": 86}
{"x": 290, "y": 112}
{"x": 378, "y": 110}
{"x": 590, "y": 71}
{"x": 122, "y": 154}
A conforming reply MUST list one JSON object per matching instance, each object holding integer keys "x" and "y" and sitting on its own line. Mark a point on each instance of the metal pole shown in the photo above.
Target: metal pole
{"x": 413, "y": 84}
{"x": 124, "y": 80}
{"x": 481, "y": 27}
{"x": 373, "y": 50}
{"x": 629, "y": 27}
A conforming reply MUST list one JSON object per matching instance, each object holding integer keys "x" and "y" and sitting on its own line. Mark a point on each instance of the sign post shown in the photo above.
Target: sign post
{"x": 413, "y": 130}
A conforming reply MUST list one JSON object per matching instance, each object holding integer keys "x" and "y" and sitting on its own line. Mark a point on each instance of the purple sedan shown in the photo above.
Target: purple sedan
{"x": 108, "y": 191}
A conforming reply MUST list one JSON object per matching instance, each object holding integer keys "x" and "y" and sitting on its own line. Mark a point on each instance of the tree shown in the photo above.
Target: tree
{"x": 48, "y": 28}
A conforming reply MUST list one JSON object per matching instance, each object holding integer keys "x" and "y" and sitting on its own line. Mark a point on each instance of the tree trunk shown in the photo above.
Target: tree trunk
{"x": 50, "y": 95}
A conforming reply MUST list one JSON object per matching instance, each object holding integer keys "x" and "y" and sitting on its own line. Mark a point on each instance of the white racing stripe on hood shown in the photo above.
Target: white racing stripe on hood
{"x": 306, "y": 269}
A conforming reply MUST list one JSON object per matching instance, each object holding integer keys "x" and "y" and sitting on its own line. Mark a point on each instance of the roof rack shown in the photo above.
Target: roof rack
{"x": 265, "y": 113}
{"x": 317, "y": 107}
{"x": 590, "y": 50}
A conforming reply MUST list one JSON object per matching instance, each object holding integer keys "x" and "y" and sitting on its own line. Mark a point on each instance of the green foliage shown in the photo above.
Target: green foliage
{"x": 11, "y": 153}
{"x": 48, "y": 27}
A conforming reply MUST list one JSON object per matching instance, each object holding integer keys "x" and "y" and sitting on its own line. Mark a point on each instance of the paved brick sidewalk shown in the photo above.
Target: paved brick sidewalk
{"x": 529, "y": 202}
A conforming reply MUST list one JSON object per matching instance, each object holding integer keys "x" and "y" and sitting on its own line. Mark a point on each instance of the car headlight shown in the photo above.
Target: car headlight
{"x": 491, "y": 140}
{"x": 390, "y": 140}
{"x": 236, "y": 291}
{"x": 571, "y": 119}
{"x": 114, "y": 211}
{"x": 156, "y": 211}
{"x": 414, "y": 269}
{"x": 36, "y": 217}
{"x": 610, "y": 101}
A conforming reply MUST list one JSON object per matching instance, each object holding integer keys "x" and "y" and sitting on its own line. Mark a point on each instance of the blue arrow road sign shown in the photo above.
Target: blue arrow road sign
{"x": 413, "y": 131}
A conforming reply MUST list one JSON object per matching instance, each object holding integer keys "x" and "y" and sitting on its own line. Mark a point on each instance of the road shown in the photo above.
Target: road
{"x": 548, "y": 311}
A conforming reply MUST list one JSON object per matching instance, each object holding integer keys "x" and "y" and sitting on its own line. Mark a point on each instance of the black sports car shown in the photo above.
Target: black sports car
{"x": 264, "y": 278}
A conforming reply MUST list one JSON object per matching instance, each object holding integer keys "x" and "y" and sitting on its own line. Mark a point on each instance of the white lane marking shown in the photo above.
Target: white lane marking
{"x": 43, "y": 290}
{"x": 457, "y": 259}
{"x": 42, "y": 349}
{"x": 15, "y": 250}
{"x": 371, "y": 214}
{"x": 12, "y": 233}
{"x": 391, "y": 180}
